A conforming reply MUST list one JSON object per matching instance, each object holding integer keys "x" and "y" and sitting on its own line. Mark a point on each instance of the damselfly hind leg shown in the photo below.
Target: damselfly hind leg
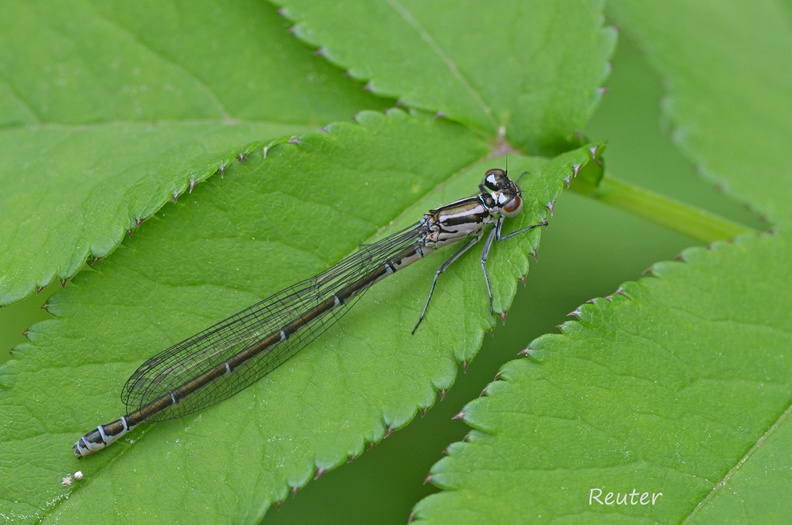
{"x": 468, "y": 245}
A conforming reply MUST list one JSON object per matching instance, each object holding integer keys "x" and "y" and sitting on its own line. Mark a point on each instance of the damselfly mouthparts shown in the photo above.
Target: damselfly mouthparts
{"x": 235, "y": 353}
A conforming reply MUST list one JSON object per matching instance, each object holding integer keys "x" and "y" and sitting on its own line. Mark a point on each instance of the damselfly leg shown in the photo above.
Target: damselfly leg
{"x": 494, "y": 235}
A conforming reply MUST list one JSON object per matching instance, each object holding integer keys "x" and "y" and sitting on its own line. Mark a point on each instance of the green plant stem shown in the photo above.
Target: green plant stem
{"x": 687, "y": 220}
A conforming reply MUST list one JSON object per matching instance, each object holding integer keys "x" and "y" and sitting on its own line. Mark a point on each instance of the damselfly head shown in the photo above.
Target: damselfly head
{"x": 504, "y": 192}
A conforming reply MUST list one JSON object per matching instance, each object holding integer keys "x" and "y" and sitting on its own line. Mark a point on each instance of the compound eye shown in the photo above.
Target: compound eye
{"x": 513, "y": 207}
{"x": 494, "y": 178}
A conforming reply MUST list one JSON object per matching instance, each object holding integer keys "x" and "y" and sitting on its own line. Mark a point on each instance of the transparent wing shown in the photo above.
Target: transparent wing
{"x": 204, "y": 351}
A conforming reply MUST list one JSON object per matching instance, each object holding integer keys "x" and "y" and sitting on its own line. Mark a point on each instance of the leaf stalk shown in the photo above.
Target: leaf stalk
{"x": 688, "y": 220}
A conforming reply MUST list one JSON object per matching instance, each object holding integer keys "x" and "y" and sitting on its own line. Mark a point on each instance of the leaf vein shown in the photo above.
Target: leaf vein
{"x": 723, "y": 482}
{"x": 445, "y": 59}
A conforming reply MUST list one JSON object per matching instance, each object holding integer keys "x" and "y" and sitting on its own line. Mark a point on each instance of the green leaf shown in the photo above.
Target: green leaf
{"x": 529, "y": 70}
{"x": 235, "y": 240}
{"x": 729, "y": 78}
{"x": 677, "y": 385}
{"x": 108, "y": 110}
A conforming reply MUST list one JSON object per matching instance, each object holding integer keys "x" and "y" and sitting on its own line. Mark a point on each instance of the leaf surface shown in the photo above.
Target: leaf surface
{"x": 679, "y": 385}
{"x": 728, "y": 72}
{"x": 235, "y": 240}
{"x": 109, "y": 110}
{"x": 532, "y": 68}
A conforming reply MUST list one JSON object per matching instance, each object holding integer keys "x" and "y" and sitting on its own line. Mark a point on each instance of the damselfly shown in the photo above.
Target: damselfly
{"x": 235, "y": 353}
